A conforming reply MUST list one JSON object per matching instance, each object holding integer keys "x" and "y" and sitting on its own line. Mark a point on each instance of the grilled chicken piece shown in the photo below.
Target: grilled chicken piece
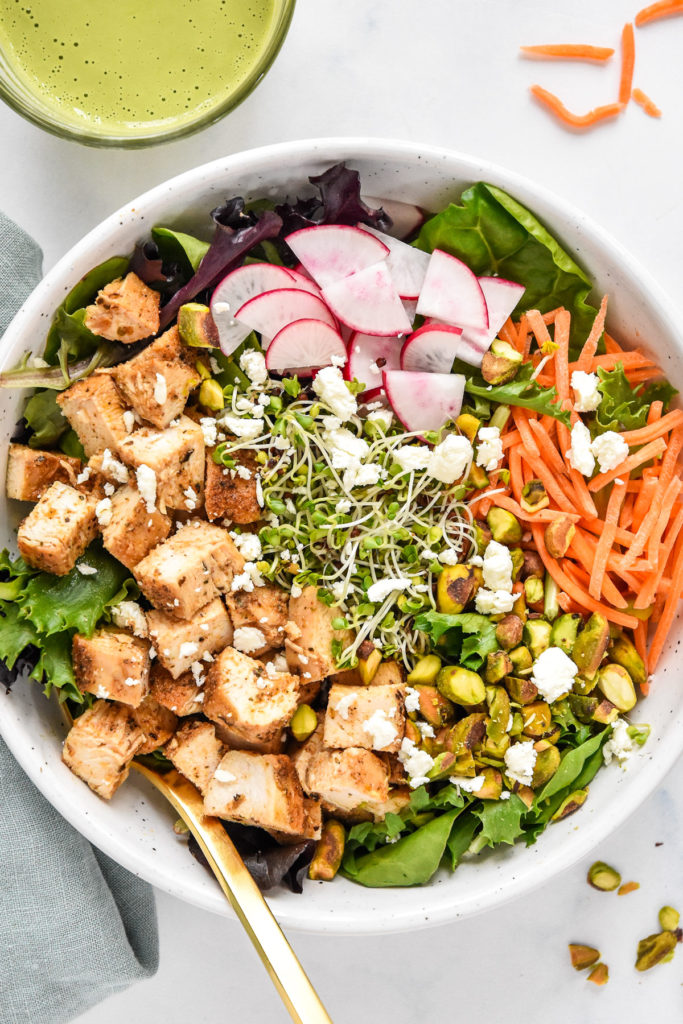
{"x": 189, "y": 569}
{"x": 345, "y": 779}
{"x": 265, "y": 609}
{"x": 125, "y": 310}
{"x": 229, "y": 495}
{"x": 30, "y": 471}
{"x": 176, "y": 456}
{"x": 58, "y": 529}
{"x": 132, "y": 532}
{"x": 372, "y": 810}
{"x": 182, "y": 696}
{"x": 94, "y": 407}
{"x": 389, "y": 673}
{"x": 157, "y": 723}
{"x": 365, "y": 716}
{"x": 158, "y": 380}
{"x": 242, "y": 696}
{"x": 196, "y": 752}
{"x": 179, "y": 643}
{"x": 101, "y": 744}
{"x": 257, "y": 789}
{"x": 310, "y": 651}
{"x": 112, "y": 664}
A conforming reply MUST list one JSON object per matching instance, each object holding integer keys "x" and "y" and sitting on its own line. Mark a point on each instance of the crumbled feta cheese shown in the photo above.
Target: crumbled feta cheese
{"x": 147, "y": 485}
{"x": 416, "y": 763}
{"x": 223, "y": 775}
{"x": 160, "y": 389}
{"x": 426, "y": 730}
{"x": 362, "y": 476}
{"x": 209, "y": 430}
{"x": 330, "y": 387}
{"x": 248, "y": 545}
{"x": 113, "y": 468}
{"x": 619, "y": 745}
{"x": 374, "y": 369}
{"x": 553, "y": 673}
{"x": 343, "y": 705}
{"x": 520, "y": 759}
{"x": 449, "y": 460}
{"x": 384, "y": 417}
{"x": 586, "y": 395}
{"x": 242, "y": 581}
{"x": 466, "y": 784}
{"x": 281, "y": 443}
{"x": 242, "y": 426}
{"x": 381, "y": 731}
{"x": 412, "y": 699}
{"x": 101, "y": 693}
{"x": 610, "y": 450}
{"x": 489, "y": 448}
{"x": 216, "y": 368}
{"x": 199, "y": 699}
{"x": 246, "y": 405}
{"x": 243, "y": 472}
{"x": 428, "y": 554}
{"x": 103, "y": 511}
{"x": 345, "y": 447}
{"x": 411, "y": 457}
{"x": 86, "y": 570}
{"x": 343, "y": 506}
{"x": 109, "y": 489}
{"x": 497, "y": 568}
{"x": 129, "y": 615}
{"x": 248, "y": 639}
{"x": 279, "y": 663}
{"x": 331, "y": 422}
{"x": 477, "y": 561}
{"x": 338, "y": 360}
{"x": 296, "y": 590}
{"x": 190, "y": 499}
{"x": 188, "y": 649}
{"x": 505, "y": 795}
{"x": 580, "y": 454}
{"x": 197, "y": 670}
{"x": 254, "y": 365}
{"x": 130, "y": 681}
{"x": 379, "y": 591}
{"x": 449, "y": 557}
{"x": 493, "y": 602}
{"x": 85, "y": 475}
{"x": 129, "y": 420}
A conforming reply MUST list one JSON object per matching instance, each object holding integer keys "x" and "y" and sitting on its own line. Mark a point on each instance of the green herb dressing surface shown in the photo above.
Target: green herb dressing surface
{"x": 136, "y": 63}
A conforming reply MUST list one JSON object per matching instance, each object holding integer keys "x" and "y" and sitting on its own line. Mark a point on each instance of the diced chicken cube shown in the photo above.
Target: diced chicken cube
{"x": 125, "y": 310}
{"x": 112, "y": 664}
{"x": 229, "y": 495}
{"x": 344, "y": 779}
{"x": 132, "y": 532}
{"x": 265, "y": 609}
{"x": 31, "y": 471}
{"x": 189, "y": 569}
{"x": 175, "y": 456}
{"x": 180, "y": 643}
{"x": 94, "y": 407}
{"x": 196, "y": 752}
{"x": 389, "y": 673}
{"x": 101, "y": 744}
{"x": 157, "y": 723}
{"x": 58, "y": 529}
{"x": 158, "y": 380}
{"x": 372, "y": 810}
{"x": 257, "y": 789}
{"x": 302, "y": 753}
{"x": 365, "y": 716}
{"x": 310, "y": 653}
{"x": 182, "y": 696}
{"x": 253, "y": 704}
{"x": 348, "y": 677}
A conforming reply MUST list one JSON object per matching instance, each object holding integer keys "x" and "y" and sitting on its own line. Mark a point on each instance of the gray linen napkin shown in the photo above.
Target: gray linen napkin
{"x": 74, "y": 926}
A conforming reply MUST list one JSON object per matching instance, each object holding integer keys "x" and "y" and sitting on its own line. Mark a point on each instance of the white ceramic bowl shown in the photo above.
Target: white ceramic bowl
{"x": 135, "y": 828}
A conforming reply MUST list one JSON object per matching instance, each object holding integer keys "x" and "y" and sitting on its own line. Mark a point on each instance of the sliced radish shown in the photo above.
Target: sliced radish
{"x": 410, "y": 306}
{"x": 452, "y": 293}
{"x": 269, "y": 312}
{"x": 424, "y": 401}
{"x": 304, "y": 346}
{"x": 331, "y": 252}
{"x": 234, "y": 290}
{"x": 431, "y": 349}
{"x": 369, "y": 355}
{"x": 368, "y": 301}
{"x": 501, "y": 299}
{"x": 304, "y": 282}
{"x": 407, "y": 265}
{"x": 406, "y": 218}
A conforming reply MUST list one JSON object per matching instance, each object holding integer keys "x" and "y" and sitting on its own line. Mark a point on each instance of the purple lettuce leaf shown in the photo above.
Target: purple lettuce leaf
{"x": 339, "y": 203}
{"x": 268, "y": 863}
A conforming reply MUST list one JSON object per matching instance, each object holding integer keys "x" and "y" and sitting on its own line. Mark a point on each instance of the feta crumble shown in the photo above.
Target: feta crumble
{"x": 520, "y": 759}
{"x": 209, "y": 430}
{"x": 147, "y": 485}
{"x": 188, "y": 649}
{"x": 160, "y": 389}
{"x": 411, "y": 457}
{"x": 129, "y": 420}
{"x": 103, "y": 511}
{"x": 379, "y": 591}
{"x": 580, "y": 454}
{"x": 248, "y": 545}
{"x": 412, "y": 701}
{"x": 466, "y": 784}
{"x": 610, "y": 450}
{"x": 384, "y": 417}
{"x": 330, "y": 387}
{"x": 113, "y": 468}
{"x": 449, "y": 557}
{"x": 493, "y": 602}
{"x": 619, "y": 745}
{"x": 86, "y": 570}
{"x": 553, "y": 673}
{"x": 449, "y": 460}
{"x": 416, "y": 763}
{"x": 223, "y": 775}
{"x": 248, "y": 639}
{"x": 254, "y": 365}
{"x": 489, "y": 448}
{"x": 380, "y": 729}
{"x": 129, "y": 615}
{"x": 242, "y": 426}
{"x": 343, "y": 705}
{"x": 497, "y": 567}
{"x": 85, "y": 475}
{"x": 587, "y": 398}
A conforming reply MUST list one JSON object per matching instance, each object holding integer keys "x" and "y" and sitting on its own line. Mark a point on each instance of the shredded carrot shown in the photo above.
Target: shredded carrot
{"x": 523, "y": 343}
{"x": 521, "y": 419}
{"x": 547, "y": 449}
{"x": 595, "y": 525}
{"x": 585, "y": 550}
{"x": 628, "y": 60}
{"x": 606, "y": 539}
{"x": 633, "y": 360}
{"x": 661, "y": 9}
{"x": 665, "y": 510}
{"x": 644, "y": 497}
{"x": 543, "y": 515}
{"x": 512, "y": 437}
{"x": 673, "y": 450}
{"x": 583, "y": 498}
{"x": 549, "y": 318}
{"x": 569, "y": 51}
{"x": 669, "y": 610}
{"x": 626, "y": 517}
{"x": 516, "y": 479}
{"x": 654, "y": 429}
{"x": 553, "y": 485}
{"x": 646, "y": 595}
{"x": 508, "y": 332}
{"x": 663, "y": 498}
{"x": 649, "y": 451}
{"x": 539, "y": 327}
{"x": 655, "y": 412}
{"x": 644, "y": 101}
{"x": 555, "y": 105}
{"x": 562, "y": 326}
{"x": 591, "y": 344}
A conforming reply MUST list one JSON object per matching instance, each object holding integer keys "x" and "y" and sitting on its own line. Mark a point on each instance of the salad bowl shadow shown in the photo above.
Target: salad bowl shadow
{"x": 136, "y": 828}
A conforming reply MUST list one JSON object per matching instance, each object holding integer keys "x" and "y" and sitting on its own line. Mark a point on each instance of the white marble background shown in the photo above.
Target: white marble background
{"x": 444, "y": 72}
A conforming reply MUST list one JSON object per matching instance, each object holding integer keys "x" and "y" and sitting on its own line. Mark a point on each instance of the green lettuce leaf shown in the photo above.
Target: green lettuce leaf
{"x": 467, "y": 638}
{"x": 493, "y": 234}
{"x": 624, "y": 407}
{"x": 15, "y": 633}
{"x": 55, "y": 668}
{"x": 177, "y": 247}
{"x": 461, "y": 836}
{"x": 501, "y": 819}
{"x": 522, "y": 391}
{"x": 68, "y": 329}
{"x": 45, "y": 419}
{"x": 571, "y": 766}
{"x": 412, "y": 860}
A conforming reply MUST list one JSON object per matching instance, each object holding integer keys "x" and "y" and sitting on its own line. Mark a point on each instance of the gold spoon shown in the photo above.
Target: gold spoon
{"x": 245, "y": 897}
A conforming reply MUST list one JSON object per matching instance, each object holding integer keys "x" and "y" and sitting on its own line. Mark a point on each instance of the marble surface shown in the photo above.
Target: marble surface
{"x": 445, "y": 73}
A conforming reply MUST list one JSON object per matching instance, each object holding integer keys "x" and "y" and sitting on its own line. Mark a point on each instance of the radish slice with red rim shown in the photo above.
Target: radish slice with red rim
{"x": 235, "y": 289}
{"x": 368, "y": 302}
{"x": 407, "y": 265}
{"x": 270, "y": 312}
{"x": 331, "y": 252}
{"x": 431, "y": 349}
{"x": 502, "y": 297}
{"x": 452, "y": 293}
{"x": 305, "y": 346}
{"x": 405, "y": 217}
{"x": 369, "y": 355}
{"x": 424, "y": 401}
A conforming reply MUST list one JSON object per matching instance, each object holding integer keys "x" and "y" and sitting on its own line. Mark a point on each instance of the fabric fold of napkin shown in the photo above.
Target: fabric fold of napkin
{"x": 74, "y": 926}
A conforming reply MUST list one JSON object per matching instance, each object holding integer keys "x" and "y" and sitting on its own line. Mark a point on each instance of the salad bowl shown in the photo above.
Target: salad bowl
{"x": 136, "y": 828}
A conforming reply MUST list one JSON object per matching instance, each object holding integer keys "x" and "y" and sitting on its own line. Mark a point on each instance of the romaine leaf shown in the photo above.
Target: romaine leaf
{"x": 467, "y": 637}
{"x": 55, "y": 667}
{"x": 15, "y": 633}
{"x": 571, "y": 766}
{"x": 500, "y": 819}
{"x": 410, "y": 861}
{"x": 45, "y": 419}
{"x": 522, "y": 391}
{"x": 177, "y": 247}
{"x": 624, "y": 407}
{"x": 460, "y": 838}
{"x": 494, "y": 234}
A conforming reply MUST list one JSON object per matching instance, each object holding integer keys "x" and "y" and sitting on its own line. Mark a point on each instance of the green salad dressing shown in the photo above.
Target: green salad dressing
{"x": 126, "y": 66}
